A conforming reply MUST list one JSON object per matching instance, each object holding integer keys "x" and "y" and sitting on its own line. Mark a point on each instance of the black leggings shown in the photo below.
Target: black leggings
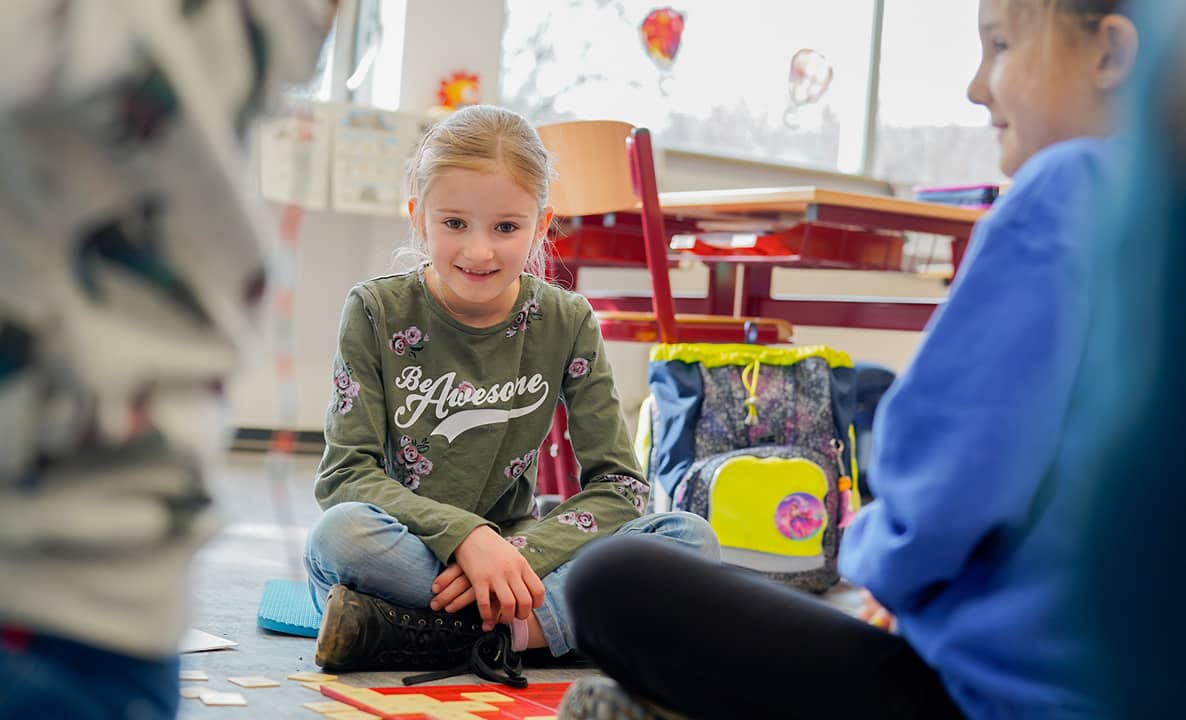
{"x": 713, "y": 641}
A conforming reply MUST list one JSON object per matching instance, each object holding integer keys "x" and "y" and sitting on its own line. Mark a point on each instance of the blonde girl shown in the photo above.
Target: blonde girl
{"x": 430, "y": 554}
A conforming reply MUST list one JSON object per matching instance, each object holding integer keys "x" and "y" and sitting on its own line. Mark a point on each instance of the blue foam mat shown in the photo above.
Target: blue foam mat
{"x": 286, "y": 607}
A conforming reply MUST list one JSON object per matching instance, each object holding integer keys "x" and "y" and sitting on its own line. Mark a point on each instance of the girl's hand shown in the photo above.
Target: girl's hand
{"x": 875, "y": 613}
{"x": 501, "y": 581}
{"x": 448, "y": 588}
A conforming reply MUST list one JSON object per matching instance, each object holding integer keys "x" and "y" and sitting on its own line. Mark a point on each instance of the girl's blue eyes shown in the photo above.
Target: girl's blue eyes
{"x": 458, "y": 224}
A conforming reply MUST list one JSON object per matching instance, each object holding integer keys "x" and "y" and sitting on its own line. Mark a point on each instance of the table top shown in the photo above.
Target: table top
{"x": 797, "y": 200}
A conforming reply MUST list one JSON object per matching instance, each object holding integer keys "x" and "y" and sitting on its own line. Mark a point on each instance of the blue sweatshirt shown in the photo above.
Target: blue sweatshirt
{"x": 970, "y": 542}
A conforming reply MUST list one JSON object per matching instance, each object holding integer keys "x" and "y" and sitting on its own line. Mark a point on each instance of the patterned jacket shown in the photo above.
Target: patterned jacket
{"x": 132, "y": 270}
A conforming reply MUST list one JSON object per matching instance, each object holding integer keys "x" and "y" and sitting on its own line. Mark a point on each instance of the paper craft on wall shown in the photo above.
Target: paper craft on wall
{"x": 294, "y": 155}
{"x": 458, "y": 90}
{"x": 370, "y": 154}
{"x": 338, "y": 156}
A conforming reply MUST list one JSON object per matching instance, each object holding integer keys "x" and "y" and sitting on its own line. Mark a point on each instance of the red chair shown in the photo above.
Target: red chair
{"x": 604, "y": 169}
{"x": 607, "y": 168}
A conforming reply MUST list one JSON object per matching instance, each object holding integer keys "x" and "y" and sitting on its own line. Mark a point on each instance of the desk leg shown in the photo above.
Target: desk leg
{"x": 755, "y": 289}
{"x": 722, "y": 284}
{"x": 959, "y": 245}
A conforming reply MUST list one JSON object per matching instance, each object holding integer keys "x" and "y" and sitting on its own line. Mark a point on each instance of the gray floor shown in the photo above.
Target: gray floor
{"x": 266, "y": 523}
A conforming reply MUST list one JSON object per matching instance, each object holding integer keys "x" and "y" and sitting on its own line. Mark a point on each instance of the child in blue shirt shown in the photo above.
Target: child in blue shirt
{"x": 966, "y": 553}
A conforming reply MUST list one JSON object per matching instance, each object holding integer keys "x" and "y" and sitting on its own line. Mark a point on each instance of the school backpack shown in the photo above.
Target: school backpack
{"x": 758, "y": 440}
{"x": 872, "y": 383}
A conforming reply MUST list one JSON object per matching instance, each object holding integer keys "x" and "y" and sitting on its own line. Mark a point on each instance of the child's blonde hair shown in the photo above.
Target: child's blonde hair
{"x": 476, "y": 138}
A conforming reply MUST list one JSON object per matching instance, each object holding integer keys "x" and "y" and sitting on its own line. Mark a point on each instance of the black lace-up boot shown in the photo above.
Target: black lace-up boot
{"x": 363, "y": 632}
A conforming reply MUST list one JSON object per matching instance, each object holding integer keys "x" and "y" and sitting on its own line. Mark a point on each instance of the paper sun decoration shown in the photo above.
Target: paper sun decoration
{"x": 458, "y": 90}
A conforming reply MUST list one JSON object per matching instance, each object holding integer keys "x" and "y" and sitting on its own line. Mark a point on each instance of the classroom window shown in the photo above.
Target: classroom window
{"x": 320, "y": 85}
{"x": 928, "y": 132}
{"x": 727, "y": 90}
{"x": 378, "y": 54}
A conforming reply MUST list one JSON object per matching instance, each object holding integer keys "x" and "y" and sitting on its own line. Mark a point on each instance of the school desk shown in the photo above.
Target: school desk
{"x": 741, "y": 235}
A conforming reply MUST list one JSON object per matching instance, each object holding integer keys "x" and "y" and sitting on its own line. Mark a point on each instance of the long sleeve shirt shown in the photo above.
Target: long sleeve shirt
{"x": 440, "y": 424}
{"x": 971, "y": 540}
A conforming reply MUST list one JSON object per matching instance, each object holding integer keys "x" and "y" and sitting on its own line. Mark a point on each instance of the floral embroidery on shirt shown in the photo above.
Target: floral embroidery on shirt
{"x": 410, "y": 464}
{"x": 523, "y": 318}
{"x": 518, "y": 541}
{"x": 518, "y": 466}
{"x": 632, "y": 489}
{"x": 345, "y": 390}
{"x": 579, "y": 367}
{"x": 581, "y": 520}
{"x": 465, "y": 391}
{"x": 409, "y": 340}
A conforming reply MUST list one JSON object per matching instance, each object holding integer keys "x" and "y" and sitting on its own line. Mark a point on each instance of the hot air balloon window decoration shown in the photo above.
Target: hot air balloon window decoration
{"x": 661, "y": 31}
{"x": 810, "y": 77}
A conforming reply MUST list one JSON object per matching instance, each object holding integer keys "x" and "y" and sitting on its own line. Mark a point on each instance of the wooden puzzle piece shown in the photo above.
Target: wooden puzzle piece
{"x": 361, "y": 698}
{"x": 253, "y": 681}
{"x": 471, "y": 706}
{"x": 487, "y": 697}
{"x": 402, "y": 703}
{"x": 453, "y": 702}
{"x": 423, "y": 705}
{"x": 327, "y": 706}
{"x": 312, "y": 677}
{"x": 191, "y": 692}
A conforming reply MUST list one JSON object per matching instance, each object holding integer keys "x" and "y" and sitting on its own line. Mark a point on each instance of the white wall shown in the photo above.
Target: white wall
{"x": 338, "y": 250}
{"x": 443, "y": 36}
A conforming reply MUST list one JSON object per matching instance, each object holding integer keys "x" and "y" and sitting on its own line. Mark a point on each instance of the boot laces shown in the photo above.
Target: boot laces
{"x": 490, "y": 658}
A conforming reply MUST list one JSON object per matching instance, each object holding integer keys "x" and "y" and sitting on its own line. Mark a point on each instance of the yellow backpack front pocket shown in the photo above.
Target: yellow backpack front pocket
{"x": 769, "y": 513}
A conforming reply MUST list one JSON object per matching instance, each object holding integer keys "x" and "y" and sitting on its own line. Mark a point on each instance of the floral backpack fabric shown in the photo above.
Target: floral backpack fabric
{"x": 758, "y": 441}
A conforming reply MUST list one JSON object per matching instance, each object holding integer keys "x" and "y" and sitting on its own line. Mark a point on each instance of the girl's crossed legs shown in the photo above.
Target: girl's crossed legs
{"x": 361, "y": 546}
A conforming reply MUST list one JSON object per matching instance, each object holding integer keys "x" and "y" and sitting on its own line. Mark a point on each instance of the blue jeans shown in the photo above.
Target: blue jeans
{"x": 360, "y": 545}
{"x": 50, "y": 677}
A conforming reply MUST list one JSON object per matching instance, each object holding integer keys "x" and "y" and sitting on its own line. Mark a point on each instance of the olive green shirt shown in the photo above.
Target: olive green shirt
{"x": 440, "y": 424}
